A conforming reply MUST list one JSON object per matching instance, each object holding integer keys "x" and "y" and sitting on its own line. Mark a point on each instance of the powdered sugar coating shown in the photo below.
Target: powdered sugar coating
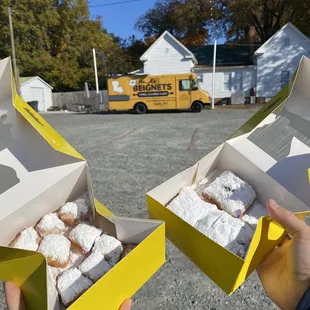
{"x": 85, "y": 197}
{"x": 250, "y": 220}
{"x": 110, "y": 248}
{"x": 227, "y": 231}
{"x": 76, "y": 258}
{"x": 95, "y": 266}
{"x": 208, "y": 221}
{"x": 232, "y": 194}
{"x": 84, "y": 236}
{"x": 54, "y": 273}
{"x": 71, "y": 285}
{"x": 73, "y": 212}
{"x": 189, "y": 206}
{"x": 254, "y": 213}
{"x": 28, "y": 239}
{"x": 50, "y": 224}
{"x": 56, "y": 249}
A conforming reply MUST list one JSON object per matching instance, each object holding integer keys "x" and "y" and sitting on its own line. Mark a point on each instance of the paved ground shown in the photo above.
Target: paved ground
{"x": 129, "y": 155}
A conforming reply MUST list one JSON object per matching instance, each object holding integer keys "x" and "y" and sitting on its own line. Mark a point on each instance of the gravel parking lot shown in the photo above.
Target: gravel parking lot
{"x": 130, "y": 154}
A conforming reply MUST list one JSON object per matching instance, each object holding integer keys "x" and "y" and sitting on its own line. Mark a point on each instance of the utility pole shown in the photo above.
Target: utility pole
{"x": 214, "y": 58}
{"x": 213, "y": 75}
{"x": 96, "y": 78}
{"x": 16, "y": 74}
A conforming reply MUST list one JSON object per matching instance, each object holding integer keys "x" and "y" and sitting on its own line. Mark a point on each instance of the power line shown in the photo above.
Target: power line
{"x": 93, "y": 6}
{"x": 113, "y": 3}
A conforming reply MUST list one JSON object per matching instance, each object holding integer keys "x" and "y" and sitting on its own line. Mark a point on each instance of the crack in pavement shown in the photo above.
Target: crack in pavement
{"x": 193, "y": 140}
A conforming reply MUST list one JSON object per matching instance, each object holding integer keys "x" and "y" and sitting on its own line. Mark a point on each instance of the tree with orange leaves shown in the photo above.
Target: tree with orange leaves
{"x": 188, "y": 20}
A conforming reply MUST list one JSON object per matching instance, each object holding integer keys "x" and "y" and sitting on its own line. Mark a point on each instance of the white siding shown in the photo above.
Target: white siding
{"x": 31, "y": 92}
{"x": 279, "y": 55}
{"x": 26, "y": 93}
{"x": 166, "y": 57}
{"x": 248, "y": 80}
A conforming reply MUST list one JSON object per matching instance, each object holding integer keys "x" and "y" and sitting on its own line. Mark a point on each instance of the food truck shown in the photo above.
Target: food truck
{"x": 143, "y": 93}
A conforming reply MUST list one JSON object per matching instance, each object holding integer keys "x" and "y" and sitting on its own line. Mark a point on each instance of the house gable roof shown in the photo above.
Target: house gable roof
{"x": 187, "y": 52}
{"x": 27, "y": 79}
{"x": 262, "y": 49}
{"x": 226, "y": 55}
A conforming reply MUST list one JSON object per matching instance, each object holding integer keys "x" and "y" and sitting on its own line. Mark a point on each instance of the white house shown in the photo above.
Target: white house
{"x": 235, "y": 74}
{"x": 277, "y": 59}
{"x": 239, "y": 68}
{"x": 33, "y": 88}
{"x": 168, "y": 55}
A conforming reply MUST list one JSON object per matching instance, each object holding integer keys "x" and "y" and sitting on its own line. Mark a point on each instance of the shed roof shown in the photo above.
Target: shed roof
{"x": 26, "y": 79}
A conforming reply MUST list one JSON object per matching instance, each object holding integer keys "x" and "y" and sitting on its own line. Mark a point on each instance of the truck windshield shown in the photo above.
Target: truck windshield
{"x": 195, "y": 85}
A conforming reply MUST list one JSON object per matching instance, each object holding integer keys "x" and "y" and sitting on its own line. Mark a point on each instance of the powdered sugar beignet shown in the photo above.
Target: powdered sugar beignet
{"x": 50, "y": 224}
{"x": 230, "y": 193}
{"x": 83, "y": 236}
{"x": 71, "y": 285}
{"x": 73, "y": 212}
{"x": 110, "y": 248}
{"x": 189, "y": 206}
{"x": 28, "y": 239}
{"x": 56, "y": 249}
{"x": 229, "y": 232}
{"x": 95, "y": 266}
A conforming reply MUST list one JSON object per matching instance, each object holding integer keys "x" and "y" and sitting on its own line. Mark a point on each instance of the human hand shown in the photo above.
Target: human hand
{"x": 13, "y": 296}
{"x": 126, "y": 305}
{"x": 285, "y": 273}
{"x": 15, "y": 301}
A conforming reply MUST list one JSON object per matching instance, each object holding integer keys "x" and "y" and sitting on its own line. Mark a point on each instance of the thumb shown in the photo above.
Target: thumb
{"x": 126, "y": 305}
{"x": 14, "y": 297}
{"x": 286, "y": 218}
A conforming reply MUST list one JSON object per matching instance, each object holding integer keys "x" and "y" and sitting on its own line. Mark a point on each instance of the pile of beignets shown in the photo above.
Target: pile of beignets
{"x": 225, "y": 210}
{"x": 78, "y": 254}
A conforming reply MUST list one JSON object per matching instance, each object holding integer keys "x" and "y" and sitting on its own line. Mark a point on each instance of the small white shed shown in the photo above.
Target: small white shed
{"x": 33, "y": 88}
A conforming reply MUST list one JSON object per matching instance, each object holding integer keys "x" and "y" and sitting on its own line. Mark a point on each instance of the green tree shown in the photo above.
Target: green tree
{"x": 134, "y": 49}
{"x": 54, "y": 39}
{"x": 267, "y": 16}
{"x": 32, "y": 21}
{"x": 188, "y": 20}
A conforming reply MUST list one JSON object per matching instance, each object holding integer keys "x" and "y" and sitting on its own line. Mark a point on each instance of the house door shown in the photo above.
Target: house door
{"x": 37, "y": 94}
{"x": 184, "y": 94}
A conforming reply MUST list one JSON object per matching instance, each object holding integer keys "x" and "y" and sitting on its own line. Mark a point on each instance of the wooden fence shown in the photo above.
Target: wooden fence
{"x": 76, "y": 101}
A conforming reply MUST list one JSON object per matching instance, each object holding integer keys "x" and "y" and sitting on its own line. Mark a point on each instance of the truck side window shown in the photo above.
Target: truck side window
{"x": 184, "y": 85}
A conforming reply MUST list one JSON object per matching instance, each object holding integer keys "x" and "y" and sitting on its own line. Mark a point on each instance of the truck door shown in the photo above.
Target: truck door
{"x": 184, "y": 94}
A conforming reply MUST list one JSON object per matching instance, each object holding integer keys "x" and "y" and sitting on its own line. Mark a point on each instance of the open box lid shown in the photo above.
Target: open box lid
{"x": 277, "y": 137}
{"x": 33, "y": 156}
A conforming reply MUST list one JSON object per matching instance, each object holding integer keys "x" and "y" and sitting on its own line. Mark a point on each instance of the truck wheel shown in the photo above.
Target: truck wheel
{"x": 140, "y": 108}
{"x": 197, "y": 107}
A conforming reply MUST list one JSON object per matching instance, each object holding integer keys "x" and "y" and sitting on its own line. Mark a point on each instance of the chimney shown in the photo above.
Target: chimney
{"x": 252, "y": 39}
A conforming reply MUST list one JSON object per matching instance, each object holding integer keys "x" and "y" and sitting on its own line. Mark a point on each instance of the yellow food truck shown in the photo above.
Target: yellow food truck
{"x": 156, "y": 92}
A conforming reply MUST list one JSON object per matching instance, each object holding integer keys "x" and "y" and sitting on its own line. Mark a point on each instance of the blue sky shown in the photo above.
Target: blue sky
{"x": 120, "y": 19}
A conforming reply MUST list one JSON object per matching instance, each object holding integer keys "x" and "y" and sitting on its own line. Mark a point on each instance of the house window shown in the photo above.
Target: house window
{"x": 285, "y": 78}
{"x": 227, "y": 82}
{"x": 238, "y": 81}
{"x": 200, "y": 77}
{"x": 184, "y": 85}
